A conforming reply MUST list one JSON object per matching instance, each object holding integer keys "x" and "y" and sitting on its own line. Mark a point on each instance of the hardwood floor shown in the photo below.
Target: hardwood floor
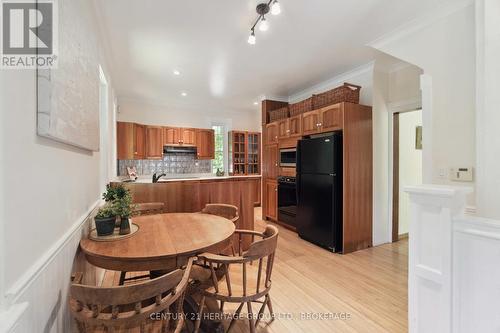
{"x": 369, "y": 286}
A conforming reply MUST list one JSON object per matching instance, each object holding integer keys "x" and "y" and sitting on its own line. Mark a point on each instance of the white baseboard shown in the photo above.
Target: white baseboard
{"x": 37, "y": 302}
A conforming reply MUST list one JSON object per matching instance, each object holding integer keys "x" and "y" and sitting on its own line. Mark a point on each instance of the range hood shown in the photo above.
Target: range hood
{"x": 179, "y": 150}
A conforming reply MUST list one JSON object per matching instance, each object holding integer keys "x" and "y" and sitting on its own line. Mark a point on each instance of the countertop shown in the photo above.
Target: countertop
{"x": 182, "y": 177}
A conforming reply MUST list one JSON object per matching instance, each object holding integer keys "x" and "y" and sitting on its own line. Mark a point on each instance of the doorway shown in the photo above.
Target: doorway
{"x": 407, "y": 167}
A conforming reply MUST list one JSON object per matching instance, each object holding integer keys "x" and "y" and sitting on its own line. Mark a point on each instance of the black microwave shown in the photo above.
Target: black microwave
{"x": 288, "y": 157}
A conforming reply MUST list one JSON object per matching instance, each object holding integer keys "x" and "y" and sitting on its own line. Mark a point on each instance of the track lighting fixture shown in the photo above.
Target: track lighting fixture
{"x": 262, "y": 9}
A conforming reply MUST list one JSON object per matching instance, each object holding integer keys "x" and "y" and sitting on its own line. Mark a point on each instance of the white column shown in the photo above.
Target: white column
{"x": 430, "y": 256}
{"x": 488, "y": 105}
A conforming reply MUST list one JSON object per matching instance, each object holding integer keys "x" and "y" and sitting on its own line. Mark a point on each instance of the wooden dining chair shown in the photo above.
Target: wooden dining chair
{"x": 154, "y": 305}
{"x": 148, "y": 208}
{"x": 229, "y": 212}
{"x": 234, "y": 280}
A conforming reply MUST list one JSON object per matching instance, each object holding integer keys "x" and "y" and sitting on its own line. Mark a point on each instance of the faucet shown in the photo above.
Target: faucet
{"x": 156, "y": 178}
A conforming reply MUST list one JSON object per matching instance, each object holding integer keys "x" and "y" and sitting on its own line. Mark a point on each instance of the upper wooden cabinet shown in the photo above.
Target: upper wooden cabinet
{"x": 130, "y": 141}
{"x": 171, "y": 136}
{"x": 125, "y": 139}
{"x": 272, "y": 132}
{"x": 205, "y": 144}
{"x": 135, "y": 141}
{"x": 330, "y": 118}
{"x": 179, "y": 136}
{"x": 290, "y": 127}
{"x": 154, "y": 142}
{"x": 322, "y": 120}
{"x": 140, "y": 141}
{"x": 310, "y": 122}
{"x": 295, "y": 126}
{"x": 188, "y": 136}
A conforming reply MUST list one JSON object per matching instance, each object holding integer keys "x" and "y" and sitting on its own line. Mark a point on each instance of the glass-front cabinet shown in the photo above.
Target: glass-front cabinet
{"x": 244, "y": 153}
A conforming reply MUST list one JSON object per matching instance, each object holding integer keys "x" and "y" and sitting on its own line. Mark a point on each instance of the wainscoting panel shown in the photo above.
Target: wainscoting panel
{"x": 42, "y": 293}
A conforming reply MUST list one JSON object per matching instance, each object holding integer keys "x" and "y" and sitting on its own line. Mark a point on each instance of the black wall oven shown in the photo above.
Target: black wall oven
{"x": 288, "y": 157}
{"x": 287, "y": 200}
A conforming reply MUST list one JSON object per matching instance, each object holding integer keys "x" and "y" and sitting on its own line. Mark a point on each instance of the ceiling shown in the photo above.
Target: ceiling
{"x": 309, "y": 42}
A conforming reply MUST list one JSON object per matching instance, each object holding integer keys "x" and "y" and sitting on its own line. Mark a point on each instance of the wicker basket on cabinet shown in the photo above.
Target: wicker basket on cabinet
{"x": 278, "y": 114}
{"x": 301, "y": 107}
{"x": 345, "y": 93}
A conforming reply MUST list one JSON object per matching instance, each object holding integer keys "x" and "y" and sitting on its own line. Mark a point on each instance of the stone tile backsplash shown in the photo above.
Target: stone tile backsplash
{"x": 171, "y": 164}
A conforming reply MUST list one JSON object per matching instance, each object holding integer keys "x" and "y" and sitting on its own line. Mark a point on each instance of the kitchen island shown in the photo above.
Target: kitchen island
{"x": 187, "y": 195}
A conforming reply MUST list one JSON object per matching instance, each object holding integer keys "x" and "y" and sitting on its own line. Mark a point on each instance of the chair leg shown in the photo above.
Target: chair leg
{"x": 261, "y": 311}
{"x": 122, "y": 278}
{"x": 251, "y": 322}
{"x": 236, "y": 315}
{"x": 221, "y": 306}
{"x": 270, "y": 306}
{"x": 198, "y": 319}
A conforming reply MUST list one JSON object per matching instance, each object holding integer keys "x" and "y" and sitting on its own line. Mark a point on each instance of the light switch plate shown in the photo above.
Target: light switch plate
{"x": 461, "y": 174}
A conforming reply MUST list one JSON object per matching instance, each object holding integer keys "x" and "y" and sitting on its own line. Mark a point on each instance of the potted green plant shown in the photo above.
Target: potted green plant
{"x": 123, "y": 207}
{"x": 109, "y": 196}
{"x": 105, "y": 220}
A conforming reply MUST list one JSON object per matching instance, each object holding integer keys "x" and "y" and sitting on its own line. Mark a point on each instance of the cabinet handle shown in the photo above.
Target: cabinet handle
{"x": 275, "y": 190}
{"x": 276, "y": 164}
{"x": 288, "y": 131}
{"x": 135, "y": 152}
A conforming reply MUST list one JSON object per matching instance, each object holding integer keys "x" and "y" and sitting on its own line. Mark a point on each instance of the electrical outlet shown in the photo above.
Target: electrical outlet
{"x": 461, "y": 174}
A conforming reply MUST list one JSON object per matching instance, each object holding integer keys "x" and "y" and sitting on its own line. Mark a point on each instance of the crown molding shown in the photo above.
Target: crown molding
{"x": 420, "y": 23}
{"x": 325, "y": 85}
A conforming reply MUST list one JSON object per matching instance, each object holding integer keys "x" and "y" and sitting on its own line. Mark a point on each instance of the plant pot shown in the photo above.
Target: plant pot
{"x": 124, "y": 226}
{"x": 105, "y": 226}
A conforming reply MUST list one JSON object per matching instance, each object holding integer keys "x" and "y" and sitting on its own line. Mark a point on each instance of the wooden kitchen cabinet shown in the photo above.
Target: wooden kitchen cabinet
{"x": 179, "y": 136}
{"x": 290, "y": 127}
{"x": 271, "y": 162}
{"x": 253, "y": 153}
{"x": 188, "y": 136}
{"x": 295, "y": 126}
{"x": 125, "y": 140}
{"x": 154, "y": 142}
{"x": 310, "y": 122}
{"x": 283, "y": 130}
{"x": 205, "y": 144}
{"x": 271, "y": 195}
{"x": 171, "y": 136}
{"x": 330, "y": 118}
{"x": 272, "y": 132}
{"x": 140, "y": 142}
{"x": 244, "y": 153}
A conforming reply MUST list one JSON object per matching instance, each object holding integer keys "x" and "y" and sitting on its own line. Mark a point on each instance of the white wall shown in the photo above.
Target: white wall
{"x": 380, "y": 114}
{"x": 488, "y": 106}
{"x": 150, "y": 114}
{"x": 410, "y": 163}
{"x": 47, "y": 188}
{"x": 404, "y": 86}
{"x": 443, "y": 46}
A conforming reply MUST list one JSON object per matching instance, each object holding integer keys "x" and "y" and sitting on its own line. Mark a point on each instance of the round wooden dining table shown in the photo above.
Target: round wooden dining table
{"x": 163, "y": 242}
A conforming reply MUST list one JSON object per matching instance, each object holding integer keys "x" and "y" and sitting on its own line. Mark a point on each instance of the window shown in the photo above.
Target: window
{"x": 220, "y": 134}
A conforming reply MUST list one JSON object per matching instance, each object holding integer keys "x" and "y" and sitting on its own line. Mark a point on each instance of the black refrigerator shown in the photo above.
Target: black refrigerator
{"x": 319, "y": 190}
